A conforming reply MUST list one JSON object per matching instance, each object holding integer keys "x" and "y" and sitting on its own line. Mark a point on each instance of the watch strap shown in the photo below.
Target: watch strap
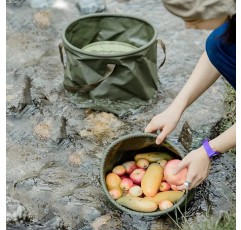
{"x": 210, "y": 152}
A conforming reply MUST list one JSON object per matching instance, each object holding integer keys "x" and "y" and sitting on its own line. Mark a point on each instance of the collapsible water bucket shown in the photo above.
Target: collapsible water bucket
{"x": 124, "y": 149}
{"x": 111, "y": 61}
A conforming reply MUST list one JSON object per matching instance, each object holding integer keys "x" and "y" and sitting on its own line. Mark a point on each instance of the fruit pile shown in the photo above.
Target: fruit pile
{"x": 147, "y": 182}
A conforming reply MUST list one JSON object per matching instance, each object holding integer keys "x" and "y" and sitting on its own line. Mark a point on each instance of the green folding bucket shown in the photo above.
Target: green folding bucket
{"x": 124, "y": 149}
{"x": 110, "y": 61}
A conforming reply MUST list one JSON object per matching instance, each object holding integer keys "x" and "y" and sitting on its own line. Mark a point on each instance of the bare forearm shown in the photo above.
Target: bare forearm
{"x": 202, "y": 77}
{"x": 225, "y": 141}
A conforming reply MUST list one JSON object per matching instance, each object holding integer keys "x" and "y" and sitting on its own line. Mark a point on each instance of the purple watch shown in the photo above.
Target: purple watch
{"x": 211, "y": 153}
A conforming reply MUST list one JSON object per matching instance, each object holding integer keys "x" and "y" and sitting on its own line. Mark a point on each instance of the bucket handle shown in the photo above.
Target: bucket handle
{"x": 163, "y": 46}
{"x": 61, "y": 54}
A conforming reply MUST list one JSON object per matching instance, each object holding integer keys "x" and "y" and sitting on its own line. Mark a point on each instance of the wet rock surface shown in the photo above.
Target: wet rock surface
{"x": 54, "y": 149}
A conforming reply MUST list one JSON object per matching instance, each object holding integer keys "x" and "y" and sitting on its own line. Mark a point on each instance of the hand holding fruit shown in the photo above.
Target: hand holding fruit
{"x": 198, "y": 164}
{"x": 177, "y": 178}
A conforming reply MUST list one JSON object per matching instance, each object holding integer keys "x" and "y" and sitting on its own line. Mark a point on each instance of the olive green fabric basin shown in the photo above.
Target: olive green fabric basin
{"x": 111, "y": 60}
{"x": 123, "y": 150}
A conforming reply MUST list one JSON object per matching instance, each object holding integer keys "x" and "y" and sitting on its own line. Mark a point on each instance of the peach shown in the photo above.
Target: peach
{"x": 164, "y": 186}
{"x": 126, "y": 184}
{"x": 177, "y": 179}
{"x": 164, "y": 204}
{"x": 130, "y": 166}
{"x": 120, "y": 170}
{"x": 115, "y": 194}
{"x": 135, "y": 190}
{"x": 136, "y": 175}
{"x": 142, "y": 163}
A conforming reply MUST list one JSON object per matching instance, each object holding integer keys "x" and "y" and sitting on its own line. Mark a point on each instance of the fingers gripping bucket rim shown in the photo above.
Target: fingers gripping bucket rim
{"x": 120, "y": 146}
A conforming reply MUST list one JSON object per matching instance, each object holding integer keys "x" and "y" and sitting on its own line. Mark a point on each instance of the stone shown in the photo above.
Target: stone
{"x": 40, "y": 3}
{"x": 186, "y": 136}
{"x": 42, "y": 19}
{"x": 100, "y": 221}
{"x": 43, "y": 130}
{"x": 15, "y": 211}
{"x": 90, "y": 6}
{"x": 90, "y": 213}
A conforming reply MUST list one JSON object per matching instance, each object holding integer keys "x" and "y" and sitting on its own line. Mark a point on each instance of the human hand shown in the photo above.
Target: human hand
{"x": 198, "y": 164}
{"x": 166, "y": 122}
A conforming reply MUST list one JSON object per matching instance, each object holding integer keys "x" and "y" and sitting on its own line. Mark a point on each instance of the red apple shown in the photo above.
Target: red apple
{"x": 115, "y": 194}
{"x": 120, "y": 170}
{"x": 142, "y": 163}
{"x": 130, "y": 166}
{"x": 124, "y": 176}
{"x": 164, "y": 204}
{"x": 135, "y": 190}
{"x": 164, "y": 186}
{"x": 177, "y": 179}
{"x": 136, "y": 175}
{"x": 126, "y": 184}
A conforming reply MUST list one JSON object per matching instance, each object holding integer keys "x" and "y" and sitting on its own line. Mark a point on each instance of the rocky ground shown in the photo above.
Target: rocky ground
{"x": 54, "y": 148}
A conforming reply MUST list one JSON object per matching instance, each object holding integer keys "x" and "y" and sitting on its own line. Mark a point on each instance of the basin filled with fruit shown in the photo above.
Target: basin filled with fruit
{"x": 136, "y": 175}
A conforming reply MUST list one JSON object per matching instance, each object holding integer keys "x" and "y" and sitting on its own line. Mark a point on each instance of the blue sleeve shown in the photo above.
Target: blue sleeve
{"x": 222, "y": 54}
